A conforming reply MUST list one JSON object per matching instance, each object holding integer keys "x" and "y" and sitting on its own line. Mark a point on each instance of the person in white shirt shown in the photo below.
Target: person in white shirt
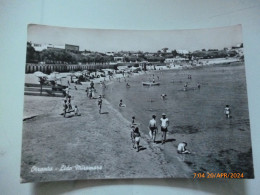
{"x": 164, "y": 127}
{"x": 182, "y": 148}
{"x": 227, "y": 111}
{"x": 153, "y": 128}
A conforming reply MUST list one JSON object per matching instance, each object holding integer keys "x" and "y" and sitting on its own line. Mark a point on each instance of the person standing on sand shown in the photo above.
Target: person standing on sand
{"x": 76, "y": 111}
{"x": 137, "y": 137}
{"x": 153, "y": 127}
{"x": 69, "y": 103}
{"x": 133, "y": 120}
{"x": 99, "y": 104}
{"x": 91, "y": 85}
{"x": 164, "y": 127}
{"x": 65, "y": 108}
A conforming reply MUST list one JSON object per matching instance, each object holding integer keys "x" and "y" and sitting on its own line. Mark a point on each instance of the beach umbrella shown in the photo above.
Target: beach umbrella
{"x": 77, "y": 74}
{"x": 42, "y": 78}
{"x": 39, "y": 74}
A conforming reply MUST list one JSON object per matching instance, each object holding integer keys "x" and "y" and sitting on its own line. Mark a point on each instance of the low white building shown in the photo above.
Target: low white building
{"x": 119, "y": 59}
{"x": 174, "y": 60}
{"x": 42, "y": 46}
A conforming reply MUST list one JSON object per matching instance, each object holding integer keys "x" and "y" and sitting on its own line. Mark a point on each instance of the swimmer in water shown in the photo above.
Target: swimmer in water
{"x": 163, "y": 96}
{"x": 121, "y": 104}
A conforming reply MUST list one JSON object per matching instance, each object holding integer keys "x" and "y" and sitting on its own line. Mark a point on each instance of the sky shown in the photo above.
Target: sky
{"x": 136, "y": 40}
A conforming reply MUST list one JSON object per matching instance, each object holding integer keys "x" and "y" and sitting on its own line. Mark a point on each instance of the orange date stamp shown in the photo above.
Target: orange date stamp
{"x": 218, "y": 175}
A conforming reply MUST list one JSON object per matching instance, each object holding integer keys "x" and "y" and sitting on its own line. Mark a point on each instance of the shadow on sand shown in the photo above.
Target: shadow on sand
{"x": 167, "y": 140}
{"x": 104, "y": 113}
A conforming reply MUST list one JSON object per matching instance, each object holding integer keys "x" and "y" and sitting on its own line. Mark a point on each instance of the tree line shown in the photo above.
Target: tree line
{"x": 62, "y": 56}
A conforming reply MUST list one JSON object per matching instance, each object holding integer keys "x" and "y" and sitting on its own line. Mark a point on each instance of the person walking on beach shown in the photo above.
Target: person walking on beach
{"x": 99, "y": 104}
{"x": 227, "y": 111}
{"x": 137, "y": 137}
{"x": 133, "y": 120}
{"x": 153, "y": 128}
{"x": 92, "y": 85}
{"x": 69, "y": 103}
{"x": 164, "y": 127}
{"x": 65, "y": 108}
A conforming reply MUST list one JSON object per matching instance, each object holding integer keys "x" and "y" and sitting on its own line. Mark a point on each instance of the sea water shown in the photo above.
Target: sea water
{"x": 196, "y": 115}
{"x": 201, "y": 108}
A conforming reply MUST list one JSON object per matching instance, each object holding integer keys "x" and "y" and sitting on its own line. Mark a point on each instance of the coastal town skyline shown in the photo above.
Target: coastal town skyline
{"x": 139, "y": 40}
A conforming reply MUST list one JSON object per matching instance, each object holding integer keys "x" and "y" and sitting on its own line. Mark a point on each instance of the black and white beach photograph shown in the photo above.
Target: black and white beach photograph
{"x": 119, "y": 104}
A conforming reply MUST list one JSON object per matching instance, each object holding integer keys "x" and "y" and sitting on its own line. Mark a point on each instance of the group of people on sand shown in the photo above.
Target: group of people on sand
{"x": 91, "y": 91}
{"x": 153, "y": 131}
{"x": 136, "y": 135}
{"x": 67, "y": 106}
{"x": 164, "y": 123}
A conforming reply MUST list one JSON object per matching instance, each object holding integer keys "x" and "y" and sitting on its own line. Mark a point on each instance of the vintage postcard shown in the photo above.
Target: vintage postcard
{"x": 116, "y": 104}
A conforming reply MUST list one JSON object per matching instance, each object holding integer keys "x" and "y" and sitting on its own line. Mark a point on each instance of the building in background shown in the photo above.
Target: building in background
{"x": 73, "y": 48}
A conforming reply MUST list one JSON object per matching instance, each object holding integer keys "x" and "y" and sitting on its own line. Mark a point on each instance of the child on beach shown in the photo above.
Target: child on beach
{"x": 100, "y": 104}
{"x": 76, "y": 111}
{"x": 227, "y": 111}
{"x": 133, "y": 120}
{"x": 182, "y": 148}
{"x": 136, "y": 136}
